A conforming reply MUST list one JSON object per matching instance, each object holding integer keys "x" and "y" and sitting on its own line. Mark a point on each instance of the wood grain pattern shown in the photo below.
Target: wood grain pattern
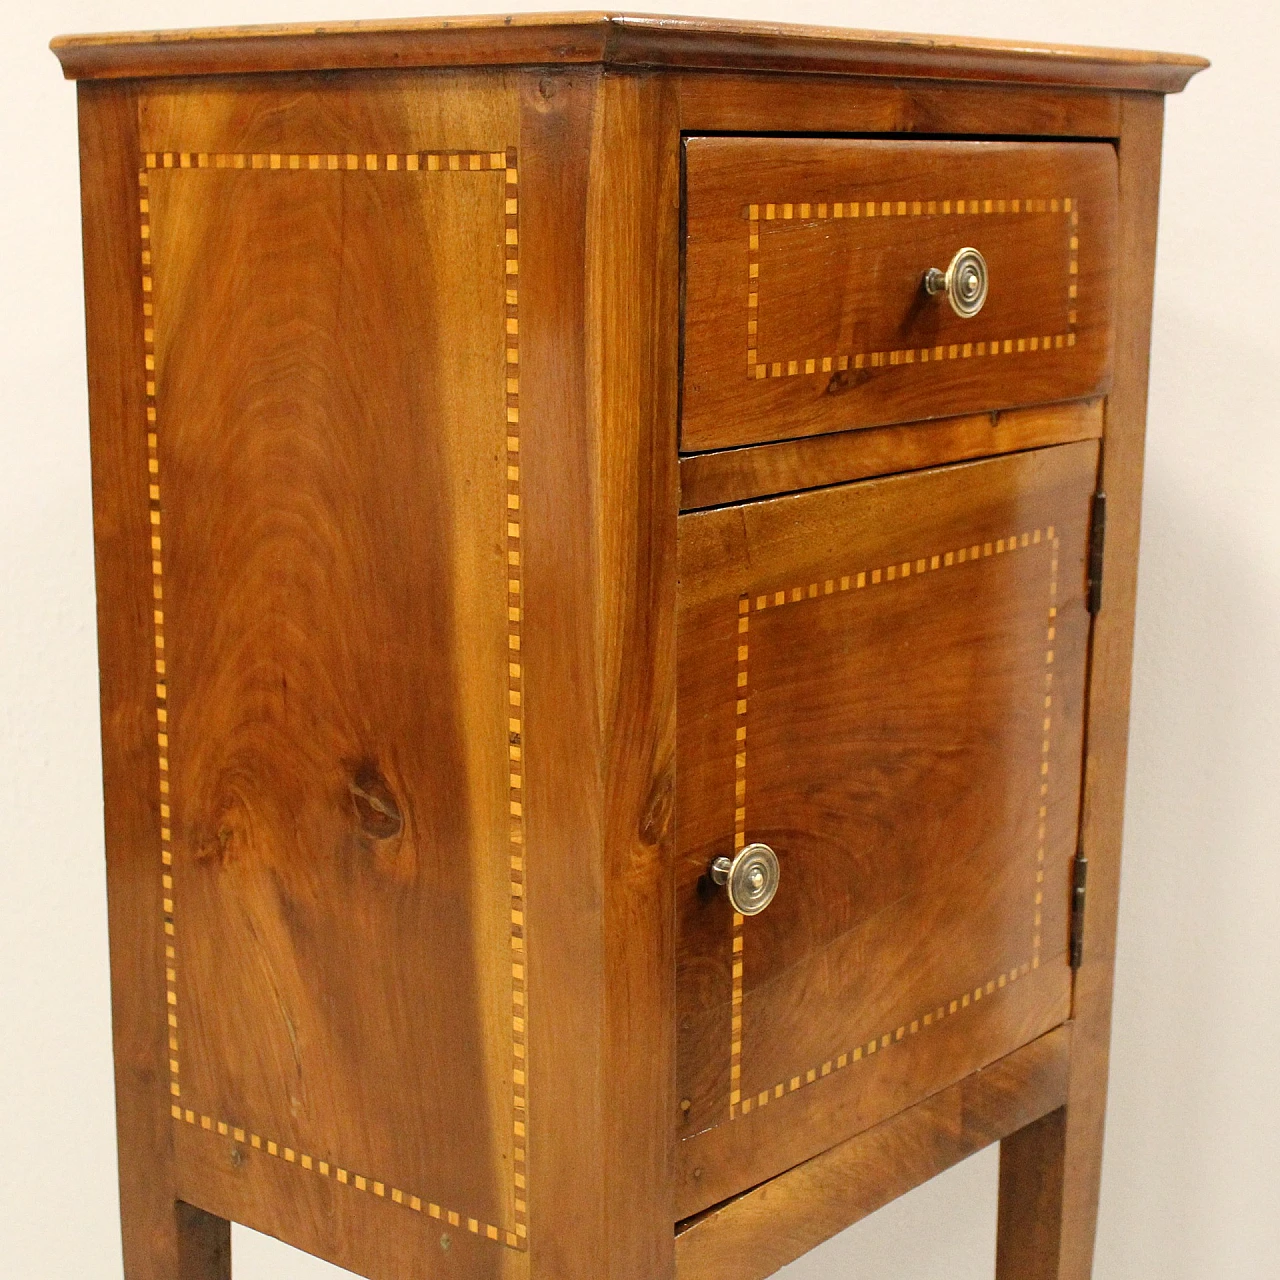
{"x": 614, "y": 39}
{"x": 204, "y": 1244}
{"x": 566, "y": 808}
{"x": 804, "y": 258}
{"x": 241, "y": 143}
{"x": 633, "y": 291}
{"x": 359, "y": 1231}
{"x": 414, "y": 963}
{"x": 599, "y": 385}
{"x": 914, "y": 683}
{"x": 161, "y": 1238}
{"x": 1029, "y": 1227}
{"x": 568, "y": 1060}
{"x": 441, "y": 113}
{"x": 332, "y": 671}
{"x": 711, "y": 102}
{"x": 753, "y": 1235}
{"x": 759, "y": 471}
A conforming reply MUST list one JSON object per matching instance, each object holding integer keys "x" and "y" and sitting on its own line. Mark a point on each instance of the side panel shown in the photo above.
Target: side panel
{"x": 330, "y": 277}
{"x": 384, "y": 423}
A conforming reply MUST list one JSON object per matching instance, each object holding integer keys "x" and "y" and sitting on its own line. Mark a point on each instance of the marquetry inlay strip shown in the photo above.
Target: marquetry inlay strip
{"x": 515, "y": 702}
{"x": 921, "y": 1022}
{"x": 1042, "y": 817}
{"x": 346, "y": 1177}
{"x": 847, "y": 210}
{"x": 739, "y": 841}
{"x": 860, "y": 580}
{"x": 900, "y": 570}
{"x": 504, "y": 162}
{"x": 416, "y": 162}
{"x": 157, "y": 617}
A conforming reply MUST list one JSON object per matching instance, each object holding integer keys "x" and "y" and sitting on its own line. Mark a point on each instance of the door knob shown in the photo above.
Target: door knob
{"x": 964, "y": 282}
{"x": 751, "y": 876}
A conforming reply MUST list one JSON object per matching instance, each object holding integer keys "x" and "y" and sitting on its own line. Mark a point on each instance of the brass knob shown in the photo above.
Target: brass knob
{"x": 964, "y": 282}
{"x": 752, "y": 877}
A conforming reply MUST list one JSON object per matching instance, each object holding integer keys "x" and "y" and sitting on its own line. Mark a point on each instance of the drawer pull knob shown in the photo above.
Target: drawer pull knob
{"x": 752, "y": 877}
{"x": 964, "y": 282}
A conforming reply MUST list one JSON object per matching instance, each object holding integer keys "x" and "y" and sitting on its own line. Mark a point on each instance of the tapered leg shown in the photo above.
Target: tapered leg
{"x": 186, "y": 1244}
{"x": 204, "y": 1245}
{"x": 1049, "y": 1179}
{"x": 1031, "y": 1220}
{"x": 162, "y": 1238}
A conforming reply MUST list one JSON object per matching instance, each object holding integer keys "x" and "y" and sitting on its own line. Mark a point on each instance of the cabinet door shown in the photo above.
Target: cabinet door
{"x": 884, "y": 683}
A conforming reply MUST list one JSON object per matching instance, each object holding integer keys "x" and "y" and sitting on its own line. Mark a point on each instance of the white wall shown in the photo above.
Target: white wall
{"x": 1192, "y": 1175}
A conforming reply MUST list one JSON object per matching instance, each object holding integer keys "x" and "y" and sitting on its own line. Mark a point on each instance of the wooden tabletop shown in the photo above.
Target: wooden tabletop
{"x": 613, "y": 39}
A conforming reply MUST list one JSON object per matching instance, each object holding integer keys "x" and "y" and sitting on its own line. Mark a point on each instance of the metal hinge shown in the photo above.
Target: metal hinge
{"x": 1079, "y": 879}
{"x": 1097, "y": 539}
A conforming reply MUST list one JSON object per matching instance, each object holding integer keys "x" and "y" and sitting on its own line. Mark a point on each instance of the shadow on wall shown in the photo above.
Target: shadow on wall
{"x": 1187, "y": 1183}
{"x": 1188, "y": 1175}
{"x": 945, "y": 1228}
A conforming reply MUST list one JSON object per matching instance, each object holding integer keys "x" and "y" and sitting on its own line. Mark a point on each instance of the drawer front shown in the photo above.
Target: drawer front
{"x": 805, "y": 310}
{"x": 884, "y": 683}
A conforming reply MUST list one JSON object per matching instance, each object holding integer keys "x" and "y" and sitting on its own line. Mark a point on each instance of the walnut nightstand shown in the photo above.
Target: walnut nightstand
{"x": 614, "y": 693}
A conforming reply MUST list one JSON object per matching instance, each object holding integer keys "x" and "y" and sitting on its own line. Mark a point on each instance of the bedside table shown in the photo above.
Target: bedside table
{"x": 616, "y": 543}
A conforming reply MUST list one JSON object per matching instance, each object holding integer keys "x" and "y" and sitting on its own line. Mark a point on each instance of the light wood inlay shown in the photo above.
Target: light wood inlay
{"x": 895, "y": 727}
{"x": 515, "y": 691}
{"x": 750, "y": 1236}
{"x": 445, "y": 162}
{"x": 832, "y": 238}
{"x": 821, "y": 211}
{"x": 365, "y": 468}
{"x": 161, "y": 667}
{"x": 739, "y": 842}
{"x": 333, "y": 162}
{"x": 1051, "y": 631}
{"x": 858, "y": 580}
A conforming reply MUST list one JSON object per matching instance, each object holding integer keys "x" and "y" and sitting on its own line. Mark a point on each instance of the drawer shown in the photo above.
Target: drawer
{"x": 883, "y": 683}
{"x": 805, "y": 309}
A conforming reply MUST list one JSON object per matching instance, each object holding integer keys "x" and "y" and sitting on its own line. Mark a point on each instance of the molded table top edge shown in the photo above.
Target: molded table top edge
{"x": 613, "y": 39}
